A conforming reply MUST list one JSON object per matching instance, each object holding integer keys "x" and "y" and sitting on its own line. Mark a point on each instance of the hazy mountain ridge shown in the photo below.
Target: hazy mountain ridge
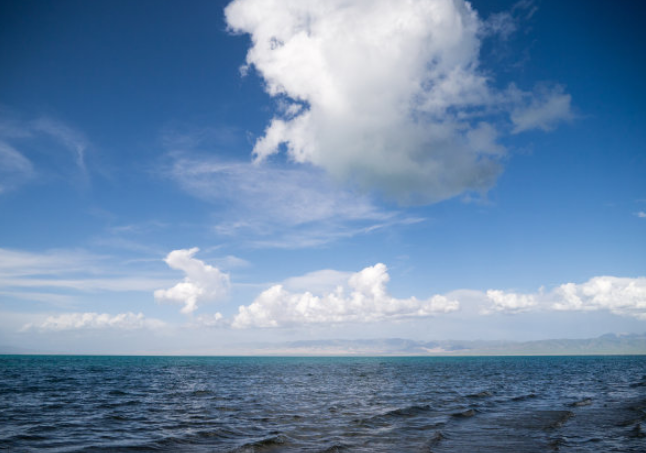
{"x": 620, "y": 344}
{"x": 605, "y": 344}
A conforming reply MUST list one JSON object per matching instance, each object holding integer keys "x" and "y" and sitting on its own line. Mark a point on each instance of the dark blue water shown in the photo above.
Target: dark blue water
{"x": 514, "y": 404}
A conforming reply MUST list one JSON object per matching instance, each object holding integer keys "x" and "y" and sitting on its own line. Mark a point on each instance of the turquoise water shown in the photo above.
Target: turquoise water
{"x": 217, "y": 404}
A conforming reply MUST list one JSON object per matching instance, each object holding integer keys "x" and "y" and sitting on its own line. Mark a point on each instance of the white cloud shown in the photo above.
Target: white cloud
{"x": 77, "y": 321}
{"x": 641, "y": 215}
{"x": 544, "y": 111}
{"x": 510, "y": 302}
{"x": 202, "y": 282}
{"x": 620, "y": 296}
{"x": 209, "y": 321}
{"x": 386, "y": 94}
{"x": 502, "y": 24}
{"x": 506, "y": 23}
{"x": 362, "y": 298}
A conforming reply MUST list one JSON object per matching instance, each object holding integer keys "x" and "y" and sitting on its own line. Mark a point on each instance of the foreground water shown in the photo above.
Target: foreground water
{"x": 513, "y": 404}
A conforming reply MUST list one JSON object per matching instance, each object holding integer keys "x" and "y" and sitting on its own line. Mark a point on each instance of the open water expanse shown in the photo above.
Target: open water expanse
{"x": 215, "y": 404}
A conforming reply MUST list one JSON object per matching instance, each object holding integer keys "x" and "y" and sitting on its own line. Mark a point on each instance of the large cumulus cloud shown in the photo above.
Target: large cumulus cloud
{"x": 387, "y": 94}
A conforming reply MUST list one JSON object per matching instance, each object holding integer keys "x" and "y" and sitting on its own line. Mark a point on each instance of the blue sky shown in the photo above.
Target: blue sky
{"x": 183, "y": 178}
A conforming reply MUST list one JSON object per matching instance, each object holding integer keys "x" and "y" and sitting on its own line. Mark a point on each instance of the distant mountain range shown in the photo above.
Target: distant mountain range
{"x": 6, "y": 349}
{"x": 605, "y": 344}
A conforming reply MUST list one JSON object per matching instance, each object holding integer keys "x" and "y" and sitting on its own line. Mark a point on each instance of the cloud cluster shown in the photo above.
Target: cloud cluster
{"x": 621, "y": 296}
{"x": 363, "y": 298}
{"x": 387, "y": 94}
{"x": 330, "y": 297}
{"x": 202, "y": 283}
{"x": 77, "y": 321}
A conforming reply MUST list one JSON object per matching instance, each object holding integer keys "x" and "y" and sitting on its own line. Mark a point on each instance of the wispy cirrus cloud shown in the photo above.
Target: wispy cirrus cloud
{"x": 278, "y": 206}
{"x": 72, "y": 139}
{"x": 387, "y": 95}
{"x": 57, "y": 276}
{"x": 37, "y": 147}
{"x": 15, "y": 168}
{"x": 14, "y": 263}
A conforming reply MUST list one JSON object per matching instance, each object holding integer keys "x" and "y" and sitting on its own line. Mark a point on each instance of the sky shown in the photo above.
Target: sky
{"x": 187, "y": 178}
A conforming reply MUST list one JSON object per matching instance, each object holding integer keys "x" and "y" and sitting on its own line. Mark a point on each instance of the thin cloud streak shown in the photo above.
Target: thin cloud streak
{"x": 72, "y": 271}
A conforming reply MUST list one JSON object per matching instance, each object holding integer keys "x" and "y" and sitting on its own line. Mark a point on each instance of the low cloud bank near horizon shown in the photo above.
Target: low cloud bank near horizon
{"x": 620, "y": 296}
{"x": 334, "y": 297}
{"x": 93, "y": 321}
{"x": 345, "y": 298}
{"x": 390, "y": 95}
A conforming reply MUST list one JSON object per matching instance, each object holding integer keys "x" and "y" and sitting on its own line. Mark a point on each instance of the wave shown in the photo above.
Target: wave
{"x": 264, "y": 445}
{"x": 335, "y": 449}
{"x": 483, "y": 394}
{"x": 409, "y": 411}
{"x": 556, "y": 419}
{"x": 524, "y": 397}
{"x": 464, "y": 414}
{"x": 584, "y": 402}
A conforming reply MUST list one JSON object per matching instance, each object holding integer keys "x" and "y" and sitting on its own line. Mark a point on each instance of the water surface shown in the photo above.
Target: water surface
{"x": 217, "y": 404}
